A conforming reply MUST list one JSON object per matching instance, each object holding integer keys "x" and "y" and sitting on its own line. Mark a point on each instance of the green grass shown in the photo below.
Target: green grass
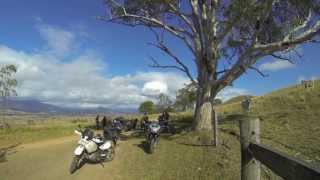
{"x": 31, "y": 128}
{"x": 289, "y": 120}
{"x": 237, "y": 99}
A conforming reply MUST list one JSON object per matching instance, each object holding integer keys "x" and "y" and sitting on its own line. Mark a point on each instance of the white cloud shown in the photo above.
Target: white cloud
{"x": 155, "y": 88}
{"x": 276, "y": 66}
{"x": 82, "y": 81}
{"x": 59, "y": 41}
{"x": 230, "y": 92}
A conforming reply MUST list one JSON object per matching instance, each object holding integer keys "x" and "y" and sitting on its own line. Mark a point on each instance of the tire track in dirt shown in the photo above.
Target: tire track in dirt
{"x": 50, "y": 160}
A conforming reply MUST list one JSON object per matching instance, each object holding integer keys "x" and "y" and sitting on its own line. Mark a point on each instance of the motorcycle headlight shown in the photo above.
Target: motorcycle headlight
{"x": 106, "y": 145}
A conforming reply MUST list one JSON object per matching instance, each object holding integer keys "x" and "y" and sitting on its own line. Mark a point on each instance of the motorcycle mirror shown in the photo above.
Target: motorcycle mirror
{"x": 77, "y": 132}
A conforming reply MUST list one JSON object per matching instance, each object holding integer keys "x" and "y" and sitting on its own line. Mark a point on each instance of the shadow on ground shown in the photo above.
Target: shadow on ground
{"x": 142, "y": 146}
{"x": 7, "y": 151}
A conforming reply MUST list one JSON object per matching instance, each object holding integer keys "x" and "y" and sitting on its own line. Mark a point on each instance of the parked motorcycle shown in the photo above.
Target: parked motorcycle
{"x": 111, "y": 134}
{"x": 118, "y": 125}
{"x": 166, "y": 128}
{"x": 92, "y": 148}
{"x": 152, "y": 136}
{"x": 123, "y": 124}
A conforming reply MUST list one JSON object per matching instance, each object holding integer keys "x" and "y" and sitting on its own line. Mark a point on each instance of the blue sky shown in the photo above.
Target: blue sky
{"x": 67, "y": 57}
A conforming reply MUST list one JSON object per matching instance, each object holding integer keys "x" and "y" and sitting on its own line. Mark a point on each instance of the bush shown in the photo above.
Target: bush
{"x": 147, "y": 107}
{"x": 4, "y": 125}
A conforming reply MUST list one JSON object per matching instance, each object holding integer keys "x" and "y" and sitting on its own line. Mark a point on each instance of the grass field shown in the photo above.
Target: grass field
{"x": 289, "y": 122}
{"x": 31, "y": 128}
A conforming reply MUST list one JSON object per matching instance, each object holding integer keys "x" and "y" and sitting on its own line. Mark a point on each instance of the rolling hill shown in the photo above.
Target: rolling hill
{"x": 35, "y": 106}
{"x": 289, "y": 119}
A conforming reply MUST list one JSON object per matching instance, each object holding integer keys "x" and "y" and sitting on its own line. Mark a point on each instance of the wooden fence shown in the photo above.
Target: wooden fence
{"x": 253, "y": 154}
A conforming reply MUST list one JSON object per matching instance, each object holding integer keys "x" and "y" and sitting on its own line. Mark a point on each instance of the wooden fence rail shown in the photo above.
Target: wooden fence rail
{"x": 253, "y": 153}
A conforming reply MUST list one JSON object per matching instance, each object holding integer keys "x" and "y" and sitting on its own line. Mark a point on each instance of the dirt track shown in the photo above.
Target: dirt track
{"x": 51, "y": 159}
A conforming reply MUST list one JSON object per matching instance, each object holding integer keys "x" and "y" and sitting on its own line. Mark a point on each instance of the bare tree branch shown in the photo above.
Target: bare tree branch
{"x": 258, "y": 71}
{"x": 297, "y": 52}
{"x": 245, "y": 61}
{"x": 282, "y": 58}
{"x": 223, "y": 71}
{"x": 182, "y": 16}
{"x": 285, "y": 44}
{"x": 157, "y": 65}
{"x": 315, "y": 41}
{"x": 180, "y": 33}
{"x": 181, "y": 66}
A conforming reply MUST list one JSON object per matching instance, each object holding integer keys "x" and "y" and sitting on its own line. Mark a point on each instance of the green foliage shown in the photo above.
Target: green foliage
{"x": 151, "y": 8}
{"x": 147, "y": 107}
{"x": 164, "y": 103}
{"x": 265, "y": 21}
{"x": 7, "y": 82}
{"x": 185, "y": 98}
{"x": 217, "y": 101}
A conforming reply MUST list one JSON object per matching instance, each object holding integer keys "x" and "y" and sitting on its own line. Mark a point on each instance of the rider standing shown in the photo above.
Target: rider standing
{"x": 144, "y": 120}
{"x": 97, "y": 121}
{"x": 104, "y": 122}
{"x": 166, "y": 115}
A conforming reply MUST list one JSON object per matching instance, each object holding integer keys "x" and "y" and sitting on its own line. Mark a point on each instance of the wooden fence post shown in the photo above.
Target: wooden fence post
{"x": 249, "y": 131}
{"x": 215, "y": 126}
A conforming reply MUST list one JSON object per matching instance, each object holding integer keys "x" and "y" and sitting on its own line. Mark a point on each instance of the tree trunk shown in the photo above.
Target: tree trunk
{"x": 205, "y": 116}
{"x": 203, "y": 111}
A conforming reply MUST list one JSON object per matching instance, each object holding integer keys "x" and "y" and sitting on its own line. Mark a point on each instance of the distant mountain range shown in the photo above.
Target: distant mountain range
{"x": 35, "y": 106}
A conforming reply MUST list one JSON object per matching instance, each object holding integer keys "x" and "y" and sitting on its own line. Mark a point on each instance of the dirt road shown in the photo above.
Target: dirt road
{"x": 50, "y": 160}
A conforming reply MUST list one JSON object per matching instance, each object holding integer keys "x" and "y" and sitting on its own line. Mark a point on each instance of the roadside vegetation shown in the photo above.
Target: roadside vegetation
{"x": 26, "y": 129}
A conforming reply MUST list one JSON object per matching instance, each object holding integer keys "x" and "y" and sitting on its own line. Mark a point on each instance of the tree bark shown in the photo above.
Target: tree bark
{"x": 203, "y": 111}
{"x": 205, "y": 116}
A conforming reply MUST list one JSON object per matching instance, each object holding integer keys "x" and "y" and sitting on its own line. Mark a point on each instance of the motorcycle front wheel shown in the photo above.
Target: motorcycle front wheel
{"x": 152, "y": 145}
{"x": 74, "y": 164}
{"x": 110, "y": 155}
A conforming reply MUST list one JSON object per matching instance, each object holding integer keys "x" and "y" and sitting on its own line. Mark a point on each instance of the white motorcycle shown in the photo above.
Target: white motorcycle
{"x": 152, "y": 136}
{"x": 91, "y": 148}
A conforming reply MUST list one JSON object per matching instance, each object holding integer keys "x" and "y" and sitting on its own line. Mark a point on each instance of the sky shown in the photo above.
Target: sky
{"x": 66, "y": 57}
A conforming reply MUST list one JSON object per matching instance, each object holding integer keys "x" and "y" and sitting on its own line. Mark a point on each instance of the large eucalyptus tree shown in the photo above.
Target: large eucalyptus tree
{"x": 225, "y": 37}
